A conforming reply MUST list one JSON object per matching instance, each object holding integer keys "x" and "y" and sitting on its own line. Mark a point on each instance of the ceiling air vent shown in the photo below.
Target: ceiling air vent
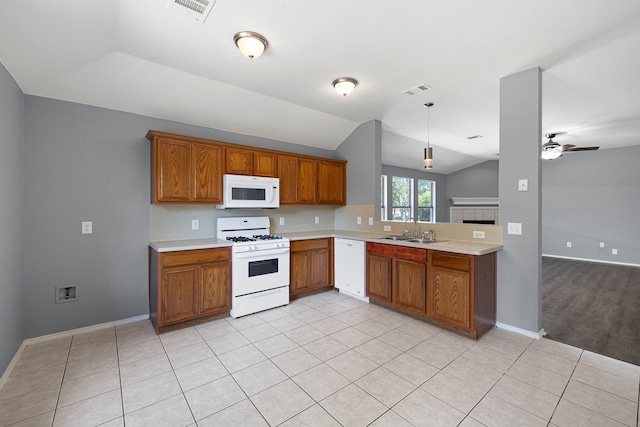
{"x": 196, "y": 9}
{"x": 420, "y": 88}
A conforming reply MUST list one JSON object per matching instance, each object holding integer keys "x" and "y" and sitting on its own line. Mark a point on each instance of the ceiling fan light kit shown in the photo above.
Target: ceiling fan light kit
{"x": 552, "y": 150}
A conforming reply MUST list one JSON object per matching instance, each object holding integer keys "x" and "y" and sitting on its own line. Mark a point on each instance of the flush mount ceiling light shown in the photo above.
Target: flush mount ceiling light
{"x": 428, "y": 152}
{"x": 345, "y": 85}
{"x": 250, "y": 44}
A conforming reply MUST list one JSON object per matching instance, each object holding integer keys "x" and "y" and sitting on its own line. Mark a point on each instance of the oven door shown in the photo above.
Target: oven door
{"x": 259, "y": 270}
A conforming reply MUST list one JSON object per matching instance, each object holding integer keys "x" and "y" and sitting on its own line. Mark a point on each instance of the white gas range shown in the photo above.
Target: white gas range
{"x": 259, "y": 264}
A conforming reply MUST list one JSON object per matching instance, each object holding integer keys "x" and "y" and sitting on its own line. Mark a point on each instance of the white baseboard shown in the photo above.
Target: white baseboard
{"x": 592, "y": 260}
{"x": 44, "y": 338}
{"x": 537, "y": 335}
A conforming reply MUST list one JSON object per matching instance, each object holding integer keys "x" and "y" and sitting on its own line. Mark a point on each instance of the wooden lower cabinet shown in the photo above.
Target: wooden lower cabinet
{"x": 187, "y": 285}
{"x": 311, "y": 265}
{"x": 397, "y": 275}
{"x": 452, "y": 290}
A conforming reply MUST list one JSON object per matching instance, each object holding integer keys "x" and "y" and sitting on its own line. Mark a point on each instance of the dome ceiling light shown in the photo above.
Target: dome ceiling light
{"x": 345, "y": 85}
{"x": 251, "y": 44}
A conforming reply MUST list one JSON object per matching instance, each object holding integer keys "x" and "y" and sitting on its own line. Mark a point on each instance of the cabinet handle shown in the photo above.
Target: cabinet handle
{"x": 264, "y": 294}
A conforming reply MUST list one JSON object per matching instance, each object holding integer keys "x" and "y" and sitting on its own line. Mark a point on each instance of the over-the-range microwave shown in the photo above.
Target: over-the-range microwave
{"x": 250, "y": 192}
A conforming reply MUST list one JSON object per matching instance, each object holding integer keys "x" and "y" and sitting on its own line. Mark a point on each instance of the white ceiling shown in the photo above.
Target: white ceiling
{"x": 137, "y": 56}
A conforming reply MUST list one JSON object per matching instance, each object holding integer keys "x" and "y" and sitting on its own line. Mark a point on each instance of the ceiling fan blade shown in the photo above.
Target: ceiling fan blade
{"x": 569, "y": 150}
{"x": 567, "y": 146}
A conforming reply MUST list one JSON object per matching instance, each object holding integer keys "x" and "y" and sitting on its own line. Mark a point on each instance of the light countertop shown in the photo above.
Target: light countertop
{"x": 457, "y": 246}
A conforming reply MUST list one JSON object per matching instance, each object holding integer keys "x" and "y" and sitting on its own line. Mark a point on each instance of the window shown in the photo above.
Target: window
{"x": 401, "y": 198}
{"x": 425, "y": 200}
{"x": 410, "y": 198}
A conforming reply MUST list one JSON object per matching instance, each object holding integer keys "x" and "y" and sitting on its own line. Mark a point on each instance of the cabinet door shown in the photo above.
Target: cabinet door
{"x": 410, "y": 285}
{"x": 265, "y": 164}
{"x": 332, "y": 183}
{"x": 207, "y": 165}
{"x": 299, "y": 277}
{"x": 306, "y": 181}
{"x": 173, "y": 173}
{"x": 288, "y": 174}
{"x": 319, "y": 271}
{"x": 180, "y": 296}
{"x": 379, "y": 277}
{"x": 215, "y": 288}
{"x": 449, "y": 300}
{"x": 238, "y": 161}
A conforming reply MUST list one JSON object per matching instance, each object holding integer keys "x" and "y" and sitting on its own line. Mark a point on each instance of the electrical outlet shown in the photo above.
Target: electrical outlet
{"x": 87, "y": 227}
{"x": 568, "y": 244}
{"x": 387, "y": 228}
{"x": 614, "y": 252}
{"x": 281, "y": 220}
{"x": 195, "y": 224}
{"x": 514, "y": 228}
{"x": 478, "y": 234}
{"x": 370, "y": 220}
{"x": 602, "y": 244}
{"x": 359, "y": 220}
{"x": 317, "y": 220}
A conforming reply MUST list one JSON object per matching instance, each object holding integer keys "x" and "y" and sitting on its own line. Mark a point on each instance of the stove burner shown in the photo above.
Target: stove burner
{"x": 241, "y": 239}
{"x": 266, "y": 237}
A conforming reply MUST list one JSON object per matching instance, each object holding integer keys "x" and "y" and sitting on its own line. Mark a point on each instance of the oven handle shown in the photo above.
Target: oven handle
{"x": 268, "y": 252}
{"x": 265, "y": 293}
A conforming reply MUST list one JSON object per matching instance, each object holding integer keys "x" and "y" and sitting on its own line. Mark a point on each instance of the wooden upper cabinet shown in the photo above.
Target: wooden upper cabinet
{"x": 190, "y": 170}
{"x": 265, "y": 164}
{"x": 332, "y": 182}
{"x": 238, "y": 161}
{"x": 207, "y": 165}
{"x": 173, "y": 171}
{"x": 306, "y": 181}
{"x": 288, "y": 174}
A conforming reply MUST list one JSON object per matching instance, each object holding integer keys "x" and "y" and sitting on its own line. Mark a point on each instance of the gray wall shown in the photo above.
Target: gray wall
{"x": 442, "y": 208}
{"x": 86, "y": 163}
{"x": 519, "y": 263}
{"x": 592, "y": 197}
{"x": 481, "y": 180}
{"x": 11, "y": 213}
{"x": 363, "y": 151}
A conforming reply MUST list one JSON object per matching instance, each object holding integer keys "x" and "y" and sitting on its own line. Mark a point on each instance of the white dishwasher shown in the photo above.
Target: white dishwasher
{"x": 349, "y": 267}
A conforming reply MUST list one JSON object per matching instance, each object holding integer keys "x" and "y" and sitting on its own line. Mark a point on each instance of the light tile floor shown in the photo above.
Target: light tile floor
{"x": 323, "y": 360}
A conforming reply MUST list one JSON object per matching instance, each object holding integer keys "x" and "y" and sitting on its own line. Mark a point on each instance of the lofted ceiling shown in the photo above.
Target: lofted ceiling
{"x": 138, "y": 56}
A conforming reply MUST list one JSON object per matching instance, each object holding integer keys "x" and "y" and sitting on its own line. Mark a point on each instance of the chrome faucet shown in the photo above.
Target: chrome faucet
{"x": 406, "y": 232}
{"x": 429, "y": 233}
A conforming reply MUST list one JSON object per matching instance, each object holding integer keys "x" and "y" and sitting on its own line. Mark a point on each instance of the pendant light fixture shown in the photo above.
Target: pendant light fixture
{"x": 345, "y": 85}
{"x": 250, "y": 44}
{"x": 428, "y": 152}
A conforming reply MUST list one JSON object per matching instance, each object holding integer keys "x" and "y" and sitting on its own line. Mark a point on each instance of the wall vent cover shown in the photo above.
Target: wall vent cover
{"x": 196, "y": 9}
{"x": 420, "y": 88}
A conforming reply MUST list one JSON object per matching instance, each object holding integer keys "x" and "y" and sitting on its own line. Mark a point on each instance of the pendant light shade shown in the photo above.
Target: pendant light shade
{"x": 345, "y": 85}
{"x": 250, "y": 44}
{"x": 428, "y": 152}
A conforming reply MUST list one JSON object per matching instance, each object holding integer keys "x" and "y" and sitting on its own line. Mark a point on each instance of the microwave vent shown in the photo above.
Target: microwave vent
{"x": 196, "y": 9}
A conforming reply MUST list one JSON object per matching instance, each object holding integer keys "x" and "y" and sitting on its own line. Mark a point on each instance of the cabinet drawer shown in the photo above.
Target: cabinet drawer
{"x": 448, "y": 260}
{"x": 198, "y": 256}
{"x": 395, "y": 251}
{"x": 305, "y": 245}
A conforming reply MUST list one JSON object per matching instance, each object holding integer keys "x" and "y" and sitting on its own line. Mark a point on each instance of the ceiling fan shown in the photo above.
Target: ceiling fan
{"x": 552, "y": 150}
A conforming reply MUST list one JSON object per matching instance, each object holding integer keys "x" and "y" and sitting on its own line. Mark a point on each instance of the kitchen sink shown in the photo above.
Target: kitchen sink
{"x": 425, "y": 241}
{"x": 402, "y": 238}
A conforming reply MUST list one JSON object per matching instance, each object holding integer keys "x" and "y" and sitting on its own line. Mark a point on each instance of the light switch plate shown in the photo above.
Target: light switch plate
{"x": 359, "y": 220}
{"x": 614, "y": 252}
{"x": 370, "y": 220}
{"x": 317, "y": 220}
{"x": 514, "y": 228}
{"x": 478, "y": 234}
{"x": 281, "y": 220}
{"x": 387, "y": 228}
{"x": 195, "y": 224}
{"x": 523, "y": 184}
